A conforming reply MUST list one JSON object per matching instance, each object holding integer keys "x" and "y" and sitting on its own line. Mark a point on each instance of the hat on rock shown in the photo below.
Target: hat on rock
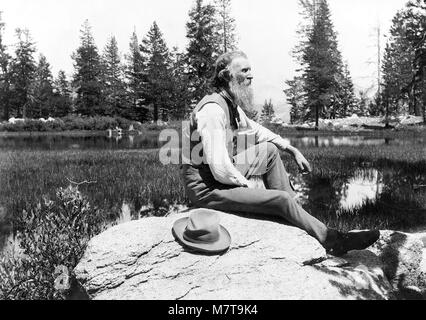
{"x": 202, "y": 232}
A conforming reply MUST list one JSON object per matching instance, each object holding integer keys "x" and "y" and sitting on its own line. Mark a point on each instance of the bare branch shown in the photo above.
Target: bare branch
{"x": 80, "y": 183}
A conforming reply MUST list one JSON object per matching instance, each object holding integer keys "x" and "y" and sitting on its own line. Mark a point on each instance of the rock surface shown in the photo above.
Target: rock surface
{"x": 266, "y": 260}
{"x": 401, "y": 255}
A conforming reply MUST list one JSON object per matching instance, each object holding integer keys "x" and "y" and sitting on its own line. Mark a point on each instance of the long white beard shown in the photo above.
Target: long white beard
{"x": 243, "y": 94}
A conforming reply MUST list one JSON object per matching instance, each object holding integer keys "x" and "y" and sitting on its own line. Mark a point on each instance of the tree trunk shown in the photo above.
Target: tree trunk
{"x": 316, "y": 117}
{"x": 6, "y": 108}
{"x": 155, "y": 113}
{"x": 24, "y": 110}
{"x": 387, "y": 113}
{"x": 6, "y": 111}
{"x": 411, "y": 100}
{"x": 19, "y": 111}
{"x": 424, "y": 101}
{"x": 417, "y": 106}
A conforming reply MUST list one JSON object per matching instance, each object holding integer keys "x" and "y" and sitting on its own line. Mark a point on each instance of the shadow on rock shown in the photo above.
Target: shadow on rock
{"x": 357, "y": 275}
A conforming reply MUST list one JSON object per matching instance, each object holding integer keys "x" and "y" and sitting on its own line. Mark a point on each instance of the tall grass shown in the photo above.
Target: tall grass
{"x": 109, "y": 178}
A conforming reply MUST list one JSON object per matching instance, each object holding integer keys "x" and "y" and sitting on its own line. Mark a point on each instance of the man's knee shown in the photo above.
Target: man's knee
{"x": 211, "y": 199}
{"x": 282, "y": 200}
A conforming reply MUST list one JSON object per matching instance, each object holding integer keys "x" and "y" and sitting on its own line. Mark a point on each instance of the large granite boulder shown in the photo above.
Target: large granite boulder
{"x": 266, "y": 260}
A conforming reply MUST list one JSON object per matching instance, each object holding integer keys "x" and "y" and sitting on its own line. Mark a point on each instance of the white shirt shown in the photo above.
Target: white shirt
{"x": 217, "y": 140}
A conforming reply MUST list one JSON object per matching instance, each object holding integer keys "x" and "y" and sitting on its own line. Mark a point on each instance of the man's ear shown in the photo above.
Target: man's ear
{"x": 225, "y": 75}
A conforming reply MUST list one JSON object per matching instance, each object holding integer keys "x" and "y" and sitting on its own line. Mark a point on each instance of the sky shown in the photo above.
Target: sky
{"x": 266, "y": 31}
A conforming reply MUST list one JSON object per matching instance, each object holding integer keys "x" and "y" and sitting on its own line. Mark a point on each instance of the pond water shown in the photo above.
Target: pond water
{"x": 350, "y": 141}
{"x": 97, "y": 142}
{"x": 361, "y": 188}
{"x": 365, "y": 185}
{"x": 384, "y": 191}
{"x": 151, "y": 141}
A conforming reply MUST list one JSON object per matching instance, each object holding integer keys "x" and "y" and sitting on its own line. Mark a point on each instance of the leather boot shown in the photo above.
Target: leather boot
{"x": 339, "y": 243}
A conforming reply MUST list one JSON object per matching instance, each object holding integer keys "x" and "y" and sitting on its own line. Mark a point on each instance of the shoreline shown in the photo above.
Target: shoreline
{"x": 283, "y": 131}
{"x": 68, "y": 133}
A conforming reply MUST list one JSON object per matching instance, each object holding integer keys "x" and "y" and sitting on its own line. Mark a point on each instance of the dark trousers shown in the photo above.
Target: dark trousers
{"x": 276, "y": 200}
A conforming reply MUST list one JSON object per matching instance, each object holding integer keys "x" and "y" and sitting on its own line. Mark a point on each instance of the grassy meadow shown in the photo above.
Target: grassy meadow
{"x": 110, "y": 178}
{"x": 102, "y": 180}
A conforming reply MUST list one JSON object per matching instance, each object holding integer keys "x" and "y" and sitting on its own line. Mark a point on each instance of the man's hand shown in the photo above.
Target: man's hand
{"x": 249, "y": 184}
{"x": 301, "y": 161}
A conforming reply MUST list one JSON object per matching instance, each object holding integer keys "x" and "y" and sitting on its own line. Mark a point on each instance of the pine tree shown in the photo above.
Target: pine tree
{"x": 180, "y": 95}
{"x": 398, "y": 70}
{"x": 268, "y": 111}
{"x": 113, "y": 80}
{"x": 136, "y": 80}
{"x": 159, "y": 77}
{"x": 43, "y": 90}
{"x": 226, "y": 26}
{"x": 203, "y": 48}
{"x": 322, "y": 69}
{"x": 252, "y": 114}
{"x": 61, "y": 99}
{"x": 375, "y": 107}
{"x": 362, "y": 101}
{"x": 22, "y": 73}
{"x": 62, "y": 85}
{"x": 5, "y": 61}
{"x": 321, "y": 58}
{"x": 415, "y": 19}
{"x": 87, "y": 76}
{"x": 345, "y": 96}
{"x": 296, "y": 99}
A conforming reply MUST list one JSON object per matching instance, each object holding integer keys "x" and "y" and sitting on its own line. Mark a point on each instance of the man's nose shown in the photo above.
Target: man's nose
{"x": 250, "y": 76}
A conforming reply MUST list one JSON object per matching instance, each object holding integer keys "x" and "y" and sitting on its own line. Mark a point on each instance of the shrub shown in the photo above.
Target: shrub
{"x": 14, "y": 127}
{"x": 137, "y": 126}
{"x": 53, "y": 237}
{"x": 154, "y": 127}
{"x": 71, "y": 122}
{"x": 123, "y": 123}
{"x": 104, "y": 123}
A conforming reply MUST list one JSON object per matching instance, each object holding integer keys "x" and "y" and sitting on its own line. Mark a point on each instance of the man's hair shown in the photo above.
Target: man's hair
{"x": 221, "y": 75}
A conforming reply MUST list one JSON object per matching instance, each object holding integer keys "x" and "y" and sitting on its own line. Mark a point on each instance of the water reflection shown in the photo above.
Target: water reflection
{"x": 151, "y": 141}
{"x": 365, "y": 185}
{"x": 103, "y": 142}
{"x": 383, "y": 197}
{"x": 331, "y": 141}
{"x": 340, "y": 193}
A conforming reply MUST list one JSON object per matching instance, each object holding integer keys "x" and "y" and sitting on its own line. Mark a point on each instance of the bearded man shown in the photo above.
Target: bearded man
{"x": 220, "y": 178}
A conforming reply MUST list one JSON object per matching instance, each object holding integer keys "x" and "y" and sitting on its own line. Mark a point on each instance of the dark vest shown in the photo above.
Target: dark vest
{"x": 232, "y": 119}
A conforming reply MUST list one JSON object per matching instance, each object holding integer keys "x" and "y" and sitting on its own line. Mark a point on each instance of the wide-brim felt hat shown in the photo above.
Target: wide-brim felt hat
{"x": 201, "y": 231}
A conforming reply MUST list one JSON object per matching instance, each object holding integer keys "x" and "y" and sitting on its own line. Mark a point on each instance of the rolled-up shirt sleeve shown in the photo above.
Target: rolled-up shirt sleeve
{"x": 263, "y": 134}
{"x": 211, "y": 126}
